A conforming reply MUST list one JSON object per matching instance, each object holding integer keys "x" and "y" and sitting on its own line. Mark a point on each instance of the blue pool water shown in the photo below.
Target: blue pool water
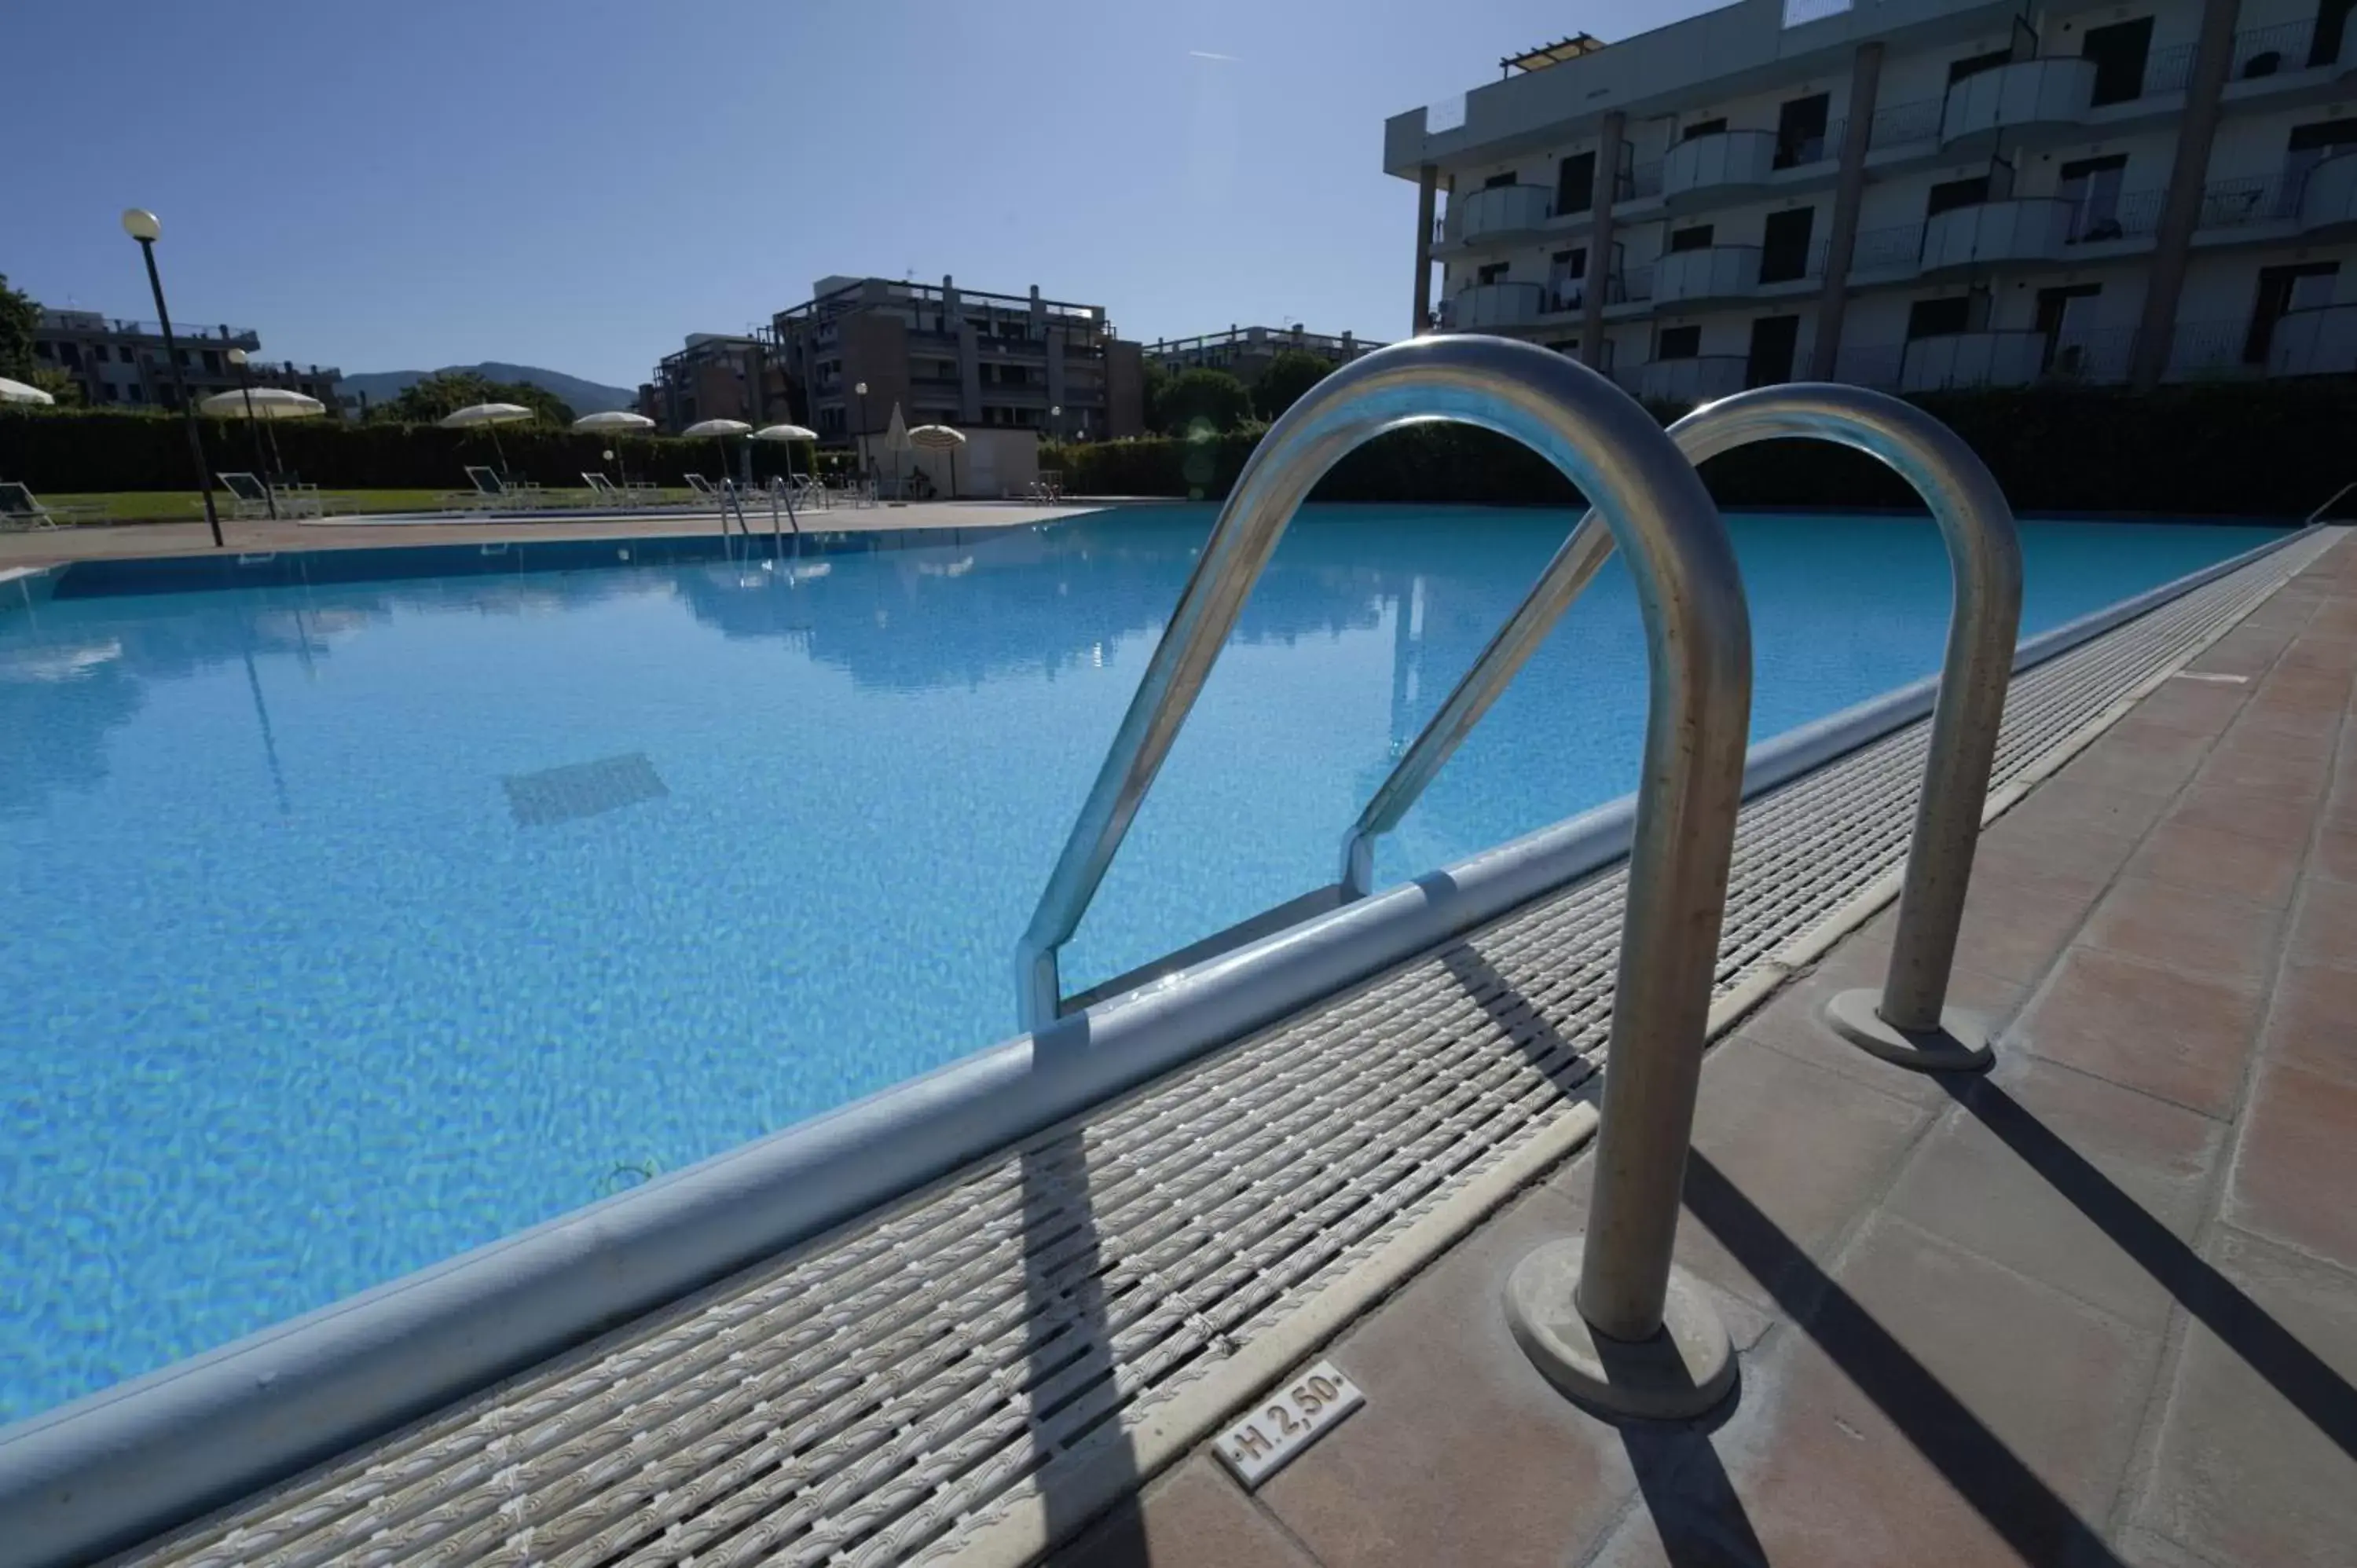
{"x": 321, "y": 966}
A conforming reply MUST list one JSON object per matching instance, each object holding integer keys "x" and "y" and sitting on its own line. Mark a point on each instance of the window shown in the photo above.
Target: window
{"x": 1801, "y": 131}
{"x": 2119, "y": 53}
{"x": 2064, "y": 315}
{"x": 2310, "y": 145}
{"x": 1696, "y": 238}
{"x": 108, "y": 388}
{"x": 98, "y": 353}
{"x": 1566, "y": 278}
{"x": 1575, "y": 183}
{"x": 1784, "y": 247}
{"x": 69, "y": 355}
{"x": 1497, "y": 180}
{"x": 1494, "y": 272}
{"x": 1775, "y": 343}
{"x": 1939, "y": 317}
{"x": 136, "y": 395}
{"x": 1678, "y": 343}
{"x": 2092, "y": 189}
{"x": 212, "y": 361}
{"x": 1973, "y": 65}
{"x": 1955, "y": 193}
{"x": 2331, "y": 23}
{"x": 42, "y": 351}
{"x": 2282, "y": 290}
{"x": 1704, "y": 128}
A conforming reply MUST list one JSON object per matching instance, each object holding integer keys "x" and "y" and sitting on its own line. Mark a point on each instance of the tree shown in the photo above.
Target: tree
{"x": 18, "y": 318}
{"x": 447, "y": 392}
{"x": 1204, "y": 400}
{"x": 1154, "y": 383}
{"x": 1291, "y": 373}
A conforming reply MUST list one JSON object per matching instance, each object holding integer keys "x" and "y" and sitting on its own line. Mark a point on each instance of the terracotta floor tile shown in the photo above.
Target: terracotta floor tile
{"x": 2275, "y": 819}
{"x": 2242, "y": 1473}
{"x": 2261, "y": 771}
{"x": 1194, "y": 1518}
{"x": 1793, "y": 1024}
{"x": 2246, "y": 739}
{"x": 1943, "y": 1410}
{"x": 2180, "y": 1037}
{"x": 2336, "y": 854}
{"x": 1463, "y": 1453}
{"x": 2324, "y": 924}
{"x": 2296, "y": 1170}
{"x": 2207, "y": 860}
{"x": 2201, "y": 707}
{"x": 2014, "y": 931}
{"x": 2192, "y": 933}
{"x": 2068, "y": 1179}
{"x": 2067, "y": 804}
{"x": 2313, "y": 1024}
{"x": 1810, "y": 1149}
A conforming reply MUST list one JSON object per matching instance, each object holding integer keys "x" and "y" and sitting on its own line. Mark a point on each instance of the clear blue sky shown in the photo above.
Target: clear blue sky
{"x": 578, "y": 185}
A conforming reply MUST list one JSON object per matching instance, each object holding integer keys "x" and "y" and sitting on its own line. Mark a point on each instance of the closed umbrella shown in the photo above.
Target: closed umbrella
{"x": 940, "y": 438}
{"x": 896, "y": 444}
{"x": 492, "y": 413}
{"x": 18, "y": 392}
{"x": 268, "y": 405}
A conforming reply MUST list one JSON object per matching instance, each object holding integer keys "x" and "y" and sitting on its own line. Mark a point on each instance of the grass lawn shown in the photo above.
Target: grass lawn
{"x": 182, "y": 506}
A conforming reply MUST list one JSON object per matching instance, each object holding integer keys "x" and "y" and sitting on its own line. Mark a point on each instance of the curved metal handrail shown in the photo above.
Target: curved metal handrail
{"x": 1698, "y": 648}
{"x": 1985, "y": 557}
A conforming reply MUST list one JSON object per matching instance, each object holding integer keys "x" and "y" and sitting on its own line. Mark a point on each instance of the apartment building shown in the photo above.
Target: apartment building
{"x": 718, "y": 376}
{"x": 1245, "y": 351}
{"x": 121, "y": 363}
{"x": 1912, "y": 195}
{"x": 961, "y": 357}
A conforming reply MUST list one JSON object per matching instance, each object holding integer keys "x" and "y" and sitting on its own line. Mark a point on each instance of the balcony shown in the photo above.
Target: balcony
{"x": 1500, "y": 212}
{"x": 2319, "y": 342}
{"x": 2328, "y": 198}
{"x": 2030, "y": 92}
{"x": 2032, "y": 230}
{"x": 1711, "y": 166}
{"x": 1713, "y": 273}
{"x": 1486, "y": 306}
{"x": 1972, "y": 360}
{"x": 1915, "y": 125}
{"x": 1894, "y": 252}
{"x": 1704, "y": 378}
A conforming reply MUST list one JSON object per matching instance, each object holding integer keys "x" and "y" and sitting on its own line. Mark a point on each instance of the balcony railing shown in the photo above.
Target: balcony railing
{"x": 1699, "y": 379}
{"x": 2131, "y": 215}
{"x": 2027, "y": 93}
{"x": 2327, "y": 197}
{"x": 1870, "y": 365}
{"x": 1905, "y": 124}
{"x": 2029, "y": 230}
{"x": 2238, "y": 203}
{"x": 1800, "y": 151}
{"x": 1899, "y": 248}
{"x": 1487, "y": 305}
{"x": 1643, "y": 181}
{"x": 1714, "y": 272}
{"x": 2317, "y": 342}
{"x": 2201, "y": 350}
{"x": 1730, "y": 160}
{"x": 1972, "y": 360}
{"x": 1501, "y": 210}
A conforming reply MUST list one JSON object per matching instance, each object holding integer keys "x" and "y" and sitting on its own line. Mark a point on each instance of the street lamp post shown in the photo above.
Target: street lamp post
{"x": 143, "y": 226}
{"x": 1055, "y": 420}
{"x": 254, "y": 429}
{"x": 862, "y": 390}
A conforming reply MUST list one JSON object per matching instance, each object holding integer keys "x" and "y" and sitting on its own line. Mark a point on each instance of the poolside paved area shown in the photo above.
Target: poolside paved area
{"x": 50, "y": 546}
{"x": 2098, "y": 1306}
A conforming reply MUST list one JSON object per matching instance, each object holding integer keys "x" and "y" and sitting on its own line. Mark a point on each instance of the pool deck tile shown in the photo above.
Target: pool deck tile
{"x": 2097, "y": 1307}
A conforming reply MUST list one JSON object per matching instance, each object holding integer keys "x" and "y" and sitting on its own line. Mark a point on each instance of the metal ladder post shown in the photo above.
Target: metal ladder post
{"x": 1636, "y": 1334}
{"x": 1909, "y": 1022}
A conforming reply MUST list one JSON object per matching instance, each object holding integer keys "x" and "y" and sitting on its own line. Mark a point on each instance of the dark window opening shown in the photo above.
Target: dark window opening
{"x": 1494, "y": 272}
{"x": 1694, "y": 238}
{"x": 1775, "y": 341}
{"x": 1951, "y": 194}
{"x": 2092, "y": 188}
{"x": 1495, "y": 181}
{"x": 2331, "y": 23}
{"x": 1939, "y": 317}
{"x": 1704, "y": 128}
{"x": 1575, "y": 183}
{"x": 1973, "y": 65}
{"x": 2310, "y": 145}
{"x": 2119, "y": 52}
{"x": 1801, "y": 131}
{"x": 1678, "y": 343}
{"x": 2282, "y": 290}
{"x": 1785, "y": 250}
{"x": 2063, "y": 314}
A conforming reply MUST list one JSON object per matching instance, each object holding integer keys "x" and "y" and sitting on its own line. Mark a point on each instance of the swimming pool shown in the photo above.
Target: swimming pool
{"x": 348, "y": 927}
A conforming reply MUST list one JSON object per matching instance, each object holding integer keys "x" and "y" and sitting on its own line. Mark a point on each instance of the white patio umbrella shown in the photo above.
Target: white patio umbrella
{"x": 941, "y": 438}
{"x": 720, "y": 430}
{"x": 788, "y": 433}
{"x": 267, "y": 405}
{"x": 611, "y": 421}
{"x": 492, "y": 413}
{"x": 18, "y": 392}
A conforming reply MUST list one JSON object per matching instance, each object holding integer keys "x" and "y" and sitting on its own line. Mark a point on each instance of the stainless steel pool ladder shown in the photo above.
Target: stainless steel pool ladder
{"x": 1606, "y": 1317}
{"x": 1909, "y": 1022}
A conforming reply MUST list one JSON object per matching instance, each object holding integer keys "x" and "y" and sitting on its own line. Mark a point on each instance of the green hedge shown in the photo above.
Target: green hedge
{"x": 2257, "y": 449}
{"x": 63, "y": 451}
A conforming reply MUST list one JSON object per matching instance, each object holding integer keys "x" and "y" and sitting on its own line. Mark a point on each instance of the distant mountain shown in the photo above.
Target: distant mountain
{"x": 582, "y": 397}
